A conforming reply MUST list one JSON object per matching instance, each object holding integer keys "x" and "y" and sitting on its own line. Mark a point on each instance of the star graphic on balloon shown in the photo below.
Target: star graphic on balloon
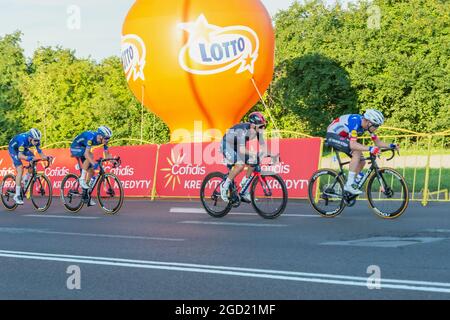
{"x": 199, "y": 29}
{"x": 248, "y": 63}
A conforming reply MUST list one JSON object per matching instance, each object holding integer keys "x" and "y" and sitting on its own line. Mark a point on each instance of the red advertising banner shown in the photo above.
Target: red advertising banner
{"x": 136, "y": 172}
{"x": 6, "y": 166}
{"x": 183, "y": 167}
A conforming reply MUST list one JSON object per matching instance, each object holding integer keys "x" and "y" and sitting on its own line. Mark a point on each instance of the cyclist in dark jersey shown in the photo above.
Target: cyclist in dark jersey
{"x": 236, "y": 153}
{"x": 81, "y": 148}
{"x": 343, "y": 135}
{"x": 19, "y": 149}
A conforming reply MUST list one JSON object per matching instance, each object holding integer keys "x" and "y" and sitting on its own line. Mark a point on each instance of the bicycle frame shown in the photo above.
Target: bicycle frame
{"x": 373, "y": 168}
{"x": 33, "y": 174}
{"x": 101, "y": 173}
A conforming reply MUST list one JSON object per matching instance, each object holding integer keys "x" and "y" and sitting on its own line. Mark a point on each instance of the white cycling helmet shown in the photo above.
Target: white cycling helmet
{"x": 105, "y": 131}
{"x": 35, "y": 134}
{"x": 374, "y": 116}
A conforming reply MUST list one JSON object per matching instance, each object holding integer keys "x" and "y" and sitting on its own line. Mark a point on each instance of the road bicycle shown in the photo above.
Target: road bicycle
{"x": 269, "y": 195}
{"x": 109, "y": 190}
{"x": 38, "y": 186}
{"x": 387, "y": 191}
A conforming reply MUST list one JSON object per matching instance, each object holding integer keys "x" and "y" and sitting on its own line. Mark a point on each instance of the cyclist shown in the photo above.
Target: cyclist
{"x": 81, "y": 149}
{"x": 234, "y": 149}
{"x": 343, "y": 135}
{"x": 19, "y": 149}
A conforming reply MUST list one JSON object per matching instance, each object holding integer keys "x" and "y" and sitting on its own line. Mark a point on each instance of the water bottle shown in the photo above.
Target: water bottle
{"x": 359, "y": 178}
{"x": 26, "y": 178}
{"x": 92, "y": 182}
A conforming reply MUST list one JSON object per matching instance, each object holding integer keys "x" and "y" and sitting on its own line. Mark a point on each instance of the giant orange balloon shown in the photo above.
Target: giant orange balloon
{"x": 194, "y": 60}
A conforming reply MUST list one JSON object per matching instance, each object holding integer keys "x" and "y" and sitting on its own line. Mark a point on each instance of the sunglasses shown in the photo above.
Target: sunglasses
{"x": 36, "y": 141}
{"x": 376, "y": 126}
{"x": 262, "y": 127}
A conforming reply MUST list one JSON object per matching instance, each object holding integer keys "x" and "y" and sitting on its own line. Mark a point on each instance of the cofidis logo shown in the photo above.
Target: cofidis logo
{"x": 179, "y": 168}
{"x": 212, "y": 49}
{"x": 133, "y": 57}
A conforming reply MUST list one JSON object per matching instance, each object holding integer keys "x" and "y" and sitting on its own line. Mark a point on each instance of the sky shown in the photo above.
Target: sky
{"x": 49, "y": 23}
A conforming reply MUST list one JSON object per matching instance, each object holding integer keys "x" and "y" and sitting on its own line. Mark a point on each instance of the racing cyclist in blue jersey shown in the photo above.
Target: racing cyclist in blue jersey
{"x": 235, "y": 151}
{"x": 343, "y": 135}
{"x": 19, "y": 149}
{"x": 81, "y": 149}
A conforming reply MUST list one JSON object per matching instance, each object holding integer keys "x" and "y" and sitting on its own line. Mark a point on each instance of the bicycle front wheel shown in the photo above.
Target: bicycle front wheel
{"x": 110, "y": 194}
{"x": 210, "y": 196}
{"x": 8, "y": 192}
{"x": 41, "y": 193}
{"x": 325, "y": 193}
{"x": 269, "y": 196}
{"x": 387, "y": 193}
{"x": 71, "y": 193}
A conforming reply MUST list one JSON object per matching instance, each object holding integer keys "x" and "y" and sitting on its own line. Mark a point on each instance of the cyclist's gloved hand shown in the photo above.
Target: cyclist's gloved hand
{"x": 374, "y": 151}
{"x": 393, "y": 146}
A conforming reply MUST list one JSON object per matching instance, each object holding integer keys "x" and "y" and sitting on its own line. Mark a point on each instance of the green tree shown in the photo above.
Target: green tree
{"x": 401, "y": 68}
{"x": 12, "y": 68}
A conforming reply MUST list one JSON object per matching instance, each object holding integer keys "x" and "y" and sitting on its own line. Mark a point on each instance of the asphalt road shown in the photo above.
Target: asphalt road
{"x": 171, "y": 250}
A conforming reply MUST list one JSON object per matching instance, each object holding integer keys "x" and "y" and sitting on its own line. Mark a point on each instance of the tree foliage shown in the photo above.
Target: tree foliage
{"x": 390, "y": 55}
{"x": 331, "y": 61}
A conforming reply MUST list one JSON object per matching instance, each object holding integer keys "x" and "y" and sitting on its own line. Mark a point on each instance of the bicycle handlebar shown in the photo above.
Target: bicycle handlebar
{"x": 48, "y": 161}
{"x": 382, "y": 151}
{"x": 117, "y": 161}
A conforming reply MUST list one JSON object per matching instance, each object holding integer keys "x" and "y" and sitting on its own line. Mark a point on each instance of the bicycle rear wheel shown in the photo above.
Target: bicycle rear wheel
{"x": 387, "y": 193}
{"x": 269, "y": 196}
{"x": 8, "y": 192}
{"x": 41, "y": 193}
{"x": 210, "y": 196}
{"x": 325, "y": 193}
{"x": 110, "y": 194}
{"x": 71, "y": 193}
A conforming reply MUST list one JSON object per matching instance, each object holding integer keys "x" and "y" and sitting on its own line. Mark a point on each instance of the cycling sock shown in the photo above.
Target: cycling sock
{"x": 227, "y": 183}
{"x": 17, "y": 190}
{"x": 351, "y": 178}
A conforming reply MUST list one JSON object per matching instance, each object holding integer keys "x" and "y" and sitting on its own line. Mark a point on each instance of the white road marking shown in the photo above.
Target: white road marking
{"x": 60, "y": 217}
{"x": 410, "y": 285}
{"x": 95, "y": 235}
{"x": 202, "y": 211}
{"x": 235, "y": 224}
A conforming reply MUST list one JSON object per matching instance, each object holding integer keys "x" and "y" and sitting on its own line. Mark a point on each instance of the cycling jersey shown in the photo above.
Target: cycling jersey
{"x": 348, "y": 126}
{"x": 83, "y": 142}
{"x": 21, "y": 144}
{"x": 87, "y": 140}
{"x": 237, "y": 137}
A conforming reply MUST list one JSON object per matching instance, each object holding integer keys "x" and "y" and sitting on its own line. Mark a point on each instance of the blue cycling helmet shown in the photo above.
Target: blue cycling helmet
{"x": 35, "y": 134}
{"x": 105, "y": 131}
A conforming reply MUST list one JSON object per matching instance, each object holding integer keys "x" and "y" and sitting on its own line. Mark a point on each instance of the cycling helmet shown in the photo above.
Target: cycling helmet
{"x": 257, "y": 118}
{"x": 35, "y": 134}
{"x": 374, "y": 116}
{"x": 105, "y": 131}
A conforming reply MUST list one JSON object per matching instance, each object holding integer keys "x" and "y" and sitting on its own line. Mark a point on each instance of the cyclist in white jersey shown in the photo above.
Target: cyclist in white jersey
{"x": 343, "y": 135}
